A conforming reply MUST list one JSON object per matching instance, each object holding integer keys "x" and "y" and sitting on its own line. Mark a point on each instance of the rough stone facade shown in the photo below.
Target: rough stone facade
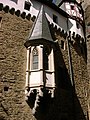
{"x": 87, "y": 22}
{"x": 13, "y": 33}
{"x": 70, "y": 102}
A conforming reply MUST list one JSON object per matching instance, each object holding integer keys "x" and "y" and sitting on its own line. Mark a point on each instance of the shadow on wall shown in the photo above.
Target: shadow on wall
{"x": 2, "y": 118}
{"x": 65, "y": 104}
{"x": 80, "y": 47}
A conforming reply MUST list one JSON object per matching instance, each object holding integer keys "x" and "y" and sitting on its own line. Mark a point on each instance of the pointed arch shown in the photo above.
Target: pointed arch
{"x": 35, "y": 58}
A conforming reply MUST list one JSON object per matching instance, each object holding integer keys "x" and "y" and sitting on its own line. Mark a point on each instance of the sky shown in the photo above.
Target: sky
{"x": 57, "y": 1}
{"x": 54, "y": 1}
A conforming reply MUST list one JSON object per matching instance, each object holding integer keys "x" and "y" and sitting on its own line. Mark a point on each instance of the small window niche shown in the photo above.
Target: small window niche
{"x": 80, "y": 11}
{"x": 72, "y": 7}
{"x": 55, "y": 19}
{"x": 63, "y": 44}
{"x": 35, "y": 59}
{"x": 27, "y": 5}
{"x": 6, "y": 88}
{"x": 77, "y": 25}
{"x": 45, "y": 59}
{"x": 0, "y": 21}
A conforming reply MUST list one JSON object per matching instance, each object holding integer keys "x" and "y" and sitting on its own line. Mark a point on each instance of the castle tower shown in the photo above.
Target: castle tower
{"x": 73, "y": 8}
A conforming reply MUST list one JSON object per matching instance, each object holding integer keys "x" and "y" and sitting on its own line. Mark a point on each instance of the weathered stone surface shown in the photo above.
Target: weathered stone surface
{"x": 87, "y": 21}
{"x": 14, "y": 32}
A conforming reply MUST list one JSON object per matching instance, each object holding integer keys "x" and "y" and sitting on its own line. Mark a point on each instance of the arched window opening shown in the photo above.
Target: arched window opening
{"x": 45, "y": 59}
{"x": 35, "y": 59}
{"x": 27, "y": 5}
{"x": 77, "y": 25}
{"x": 62, "y": 44}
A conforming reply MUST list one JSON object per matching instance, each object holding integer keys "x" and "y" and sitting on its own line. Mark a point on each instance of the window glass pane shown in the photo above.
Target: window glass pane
{"x": 35, "y": 59}
{"x": 35, "y": 65}
{"x": 77, "y": 25}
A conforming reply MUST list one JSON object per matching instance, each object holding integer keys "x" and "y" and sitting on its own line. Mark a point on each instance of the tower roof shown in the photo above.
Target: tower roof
{"x": 40, "y": 30}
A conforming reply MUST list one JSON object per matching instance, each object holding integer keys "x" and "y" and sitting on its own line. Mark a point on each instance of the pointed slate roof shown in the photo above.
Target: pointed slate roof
{"x": 40, "y": 30}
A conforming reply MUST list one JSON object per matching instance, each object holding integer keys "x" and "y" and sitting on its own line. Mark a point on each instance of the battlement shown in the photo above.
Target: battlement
{"x": 55, "y": 15}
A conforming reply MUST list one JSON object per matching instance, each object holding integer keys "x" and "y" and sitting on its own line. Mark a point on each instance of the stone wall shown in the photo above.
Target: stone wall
{"x": 13, "y": 33}
{"x": 80, "y": 81}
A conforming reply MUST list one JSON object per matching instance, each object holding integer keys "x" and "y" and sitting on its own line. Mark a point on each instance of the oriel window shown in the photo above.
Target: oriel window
{"x": 35, "y": 59}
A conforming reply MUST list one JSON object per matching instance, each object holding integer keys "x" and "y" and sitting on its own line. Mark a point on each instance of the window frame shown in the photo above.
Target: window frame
{"x": 35, "y": 59}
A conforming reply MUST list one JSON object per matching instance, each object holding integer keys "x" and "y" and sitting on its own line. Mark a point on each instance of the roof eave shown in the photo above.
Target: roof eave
{"x": 35, "y": 42}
